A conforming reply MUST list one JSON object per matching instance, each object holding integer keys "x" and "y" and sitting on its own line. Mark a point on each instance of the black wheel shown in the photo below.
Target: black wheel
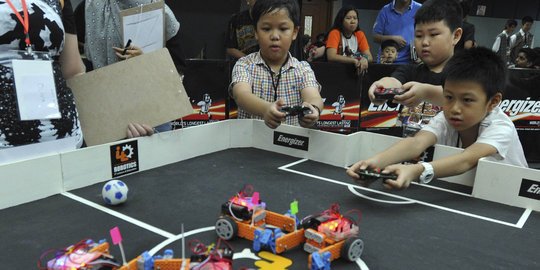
{"x": 352, "y": 248}
{"x": 226, "y": 228}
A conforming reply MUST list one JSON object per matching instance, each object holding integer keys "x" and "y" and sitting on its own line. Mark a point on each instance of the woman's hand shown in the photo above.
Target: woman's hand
{"x": 131, "y": 51}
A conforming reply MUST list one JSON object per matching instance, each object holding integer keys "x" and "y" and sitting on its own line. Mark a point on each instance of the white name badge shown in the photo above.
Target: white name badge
{"x": 35, "y": 88}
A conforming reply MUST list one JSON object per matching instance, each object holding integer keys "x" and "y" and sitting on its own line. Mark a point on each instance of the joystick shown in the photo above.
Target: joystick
{"x": 386, "y": 93}
{"x": 296, "y": 110}
{"x": 373, "y": 175}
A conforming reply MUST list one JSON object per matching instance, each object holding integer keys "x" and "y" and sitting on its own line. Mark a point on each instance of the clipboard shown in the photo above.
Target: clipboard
{"x": 145, "y": 89}
{"x": 138, "y": 24}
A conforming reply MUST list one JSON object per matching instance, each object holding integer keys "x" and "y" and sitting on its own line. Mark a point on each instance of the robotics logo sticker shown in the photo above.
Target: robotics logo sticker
{"x": 124, "y": 158}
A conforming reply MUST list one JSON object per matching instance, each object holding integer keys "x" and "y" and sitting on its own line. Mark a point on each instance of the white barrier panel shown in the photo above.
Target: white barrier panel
{"x": 466, "y": 178}
{"x": 30, "y": 180}
{"x": 503, "y": 183}
{"x": 241, "y": 132}
{"x": 91, "y": 165}
{"x": 41, "y": 177}
{"x": 328, "y": 148}
{"x": 263, "y": 138}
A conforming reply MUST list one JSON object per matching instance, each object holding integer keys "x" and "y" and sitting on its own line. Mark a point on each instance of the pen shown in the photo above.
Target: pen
{"x": 126, "y": 47}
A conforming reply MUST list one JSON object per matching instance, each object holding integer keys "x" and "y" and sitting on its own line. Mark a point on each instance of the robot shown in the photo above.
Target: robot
{"x": 205, "y": 104}
{"x": 339, "y": 105}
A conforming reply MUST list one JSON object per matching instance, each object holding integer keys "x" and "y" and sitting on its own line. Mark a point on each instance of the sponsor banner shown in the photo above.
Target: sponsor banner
{"x": 341, "y": 96}
{"x": 385, "y": 115}
{"x": 291, "y": 140}
{"x": 206, "y": 111}
{"x": 206, "y": 82}
{"x": 525, "y": 112}
{"x": 383, "y": 118}
{"x": 124, "y": 158}
{"x": 339, "y": 115}
{"x": 529, "y": 189}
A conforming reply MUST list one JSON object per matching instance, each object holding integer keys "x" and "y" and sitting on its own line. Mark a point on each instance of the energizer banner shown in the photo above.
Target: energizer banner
{"x": 530, "y": 189}
{"x": 291, "y": 140}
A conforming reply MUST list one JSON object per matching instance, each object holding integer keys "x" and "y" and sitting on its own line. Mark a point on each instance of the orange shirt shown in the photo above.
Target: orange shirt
{"x": 334, "y": 41}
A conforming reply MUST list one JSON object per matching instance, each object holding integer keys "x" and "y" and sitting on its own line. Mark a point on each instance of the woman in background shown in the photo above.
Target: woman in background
{"x": 346, "y": 42}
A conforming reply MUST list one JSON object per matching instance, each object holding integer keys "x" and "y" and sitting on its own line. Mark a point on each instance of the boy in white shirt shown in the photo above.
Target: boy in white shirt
{"x": 471, "y": 119}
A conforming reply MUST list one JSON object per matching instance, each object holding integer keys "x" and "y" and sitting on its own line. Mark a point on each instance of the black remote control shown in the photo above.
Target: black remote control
{"x": 296, "y": 110}
{"x": 373, "y": 175}
{"x": 386, "y": 93}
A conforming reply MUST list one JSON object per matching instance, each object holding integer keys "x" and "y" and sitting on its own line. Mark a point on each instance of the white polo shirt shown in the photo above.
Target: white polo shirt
{"x": 496, "y": 130}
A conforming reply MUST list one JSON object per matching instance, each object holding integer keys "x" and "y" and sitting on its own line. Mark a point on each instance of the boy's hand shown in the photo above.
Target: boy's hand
{"x": 272, "y": 116}
{"x": 406, "y": 174}
{"x": 386, "y": 82}
{"x": 371, "y": 164}
{"x": 415, "y": 93}
{"x": 309, "y": 120}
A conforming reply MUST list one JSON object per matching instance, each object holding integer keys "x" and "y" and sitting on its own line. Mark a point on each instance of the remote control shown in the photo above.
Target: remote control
{"x": 372, "y": 175}
{"x": 296, "y": 110}
{"x": 386, "y": 93}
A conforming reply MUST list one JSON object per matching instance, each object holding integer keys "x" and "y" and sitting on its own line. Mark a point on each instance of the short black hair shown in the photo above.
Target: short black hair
{"x": 389, "y": 43}
{"x": 263, "y": 7}
{"x": 530, "y": 54}
{"x": 448, "y": 11}
{"x": 510, "y": 23}
{"x": 338, "y": 21}
{"x": 479, "y": 65}
{"x": 527, "y": 19}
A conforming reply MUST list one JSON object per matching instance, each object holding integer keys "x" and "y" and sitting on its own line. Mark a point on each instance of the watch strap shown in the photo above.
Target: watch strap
{"x": 428, "y": 173}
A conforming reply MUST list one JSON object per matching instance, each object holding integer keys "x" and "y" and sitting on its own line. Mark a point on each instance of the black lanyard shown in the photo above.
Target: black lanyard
{"x": 278, "y": 77}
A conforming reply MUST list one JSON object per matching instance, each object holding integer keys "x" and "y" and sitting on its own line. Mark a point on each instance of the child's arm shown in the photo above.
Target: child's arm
{"x": 236, "y": 53}
{"x": 333, "y": 56}
{"x": 406, "y": 149}
{"x": 448, "y": 166}
{"x": 311, "y": 97}
{"x": 245, "y": 98}
{"x": 417, "y": 92}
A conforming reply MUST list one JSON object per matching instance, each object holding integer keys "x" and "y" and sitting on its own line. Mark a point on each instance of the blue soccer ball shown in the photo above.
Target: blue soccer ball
{"x": 115, "y": 192}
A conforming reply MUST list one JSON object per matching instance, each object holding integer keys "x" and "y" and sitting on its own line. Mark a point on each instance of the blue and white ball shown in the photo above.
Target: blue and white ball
{"x": 115, "y": 192}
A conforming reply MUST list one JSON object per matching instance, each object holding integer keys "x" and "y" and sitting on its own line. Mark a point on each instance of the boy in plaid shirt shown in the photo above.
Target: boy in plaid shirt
{"x": 265, "y": 81}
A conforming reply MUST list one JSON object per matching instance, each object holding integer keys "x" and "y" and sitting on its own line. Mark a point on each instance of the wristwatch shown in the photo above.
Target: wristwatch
{"x": 427, "y": 174}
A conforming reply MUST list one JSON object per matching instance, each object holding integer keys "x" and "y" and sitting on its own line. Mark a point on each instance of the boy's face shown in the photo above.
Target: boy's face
{"x": 522, "y": 61}
{"x": 350, "y": 22}
{"x": 435, "y": 43}
{"x": 389, "y": 54}
{"x": 526, "y": 27}
{"x": 275, "y": 33}
{"x": 465, "y": 104}
{"x": 511, "y": 29}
